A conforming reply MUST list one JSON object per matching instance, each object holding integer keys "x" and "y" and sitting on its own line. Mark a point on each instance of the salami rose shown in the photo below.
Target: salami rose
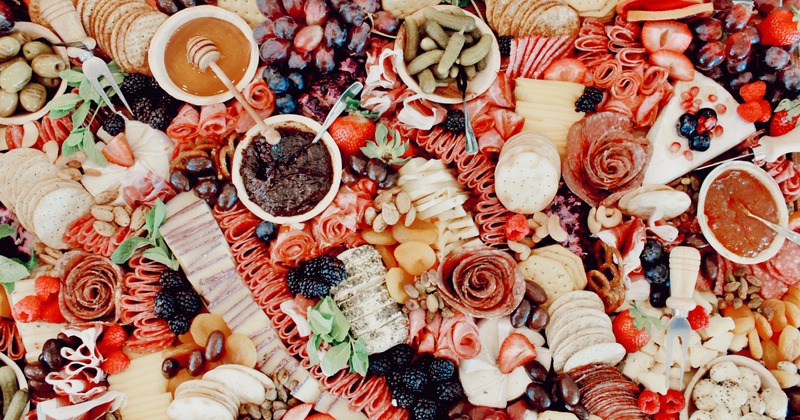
{"x": 605, "y": 159}
{"x": 90, "y": 287}
{"x": 481, "y": 282}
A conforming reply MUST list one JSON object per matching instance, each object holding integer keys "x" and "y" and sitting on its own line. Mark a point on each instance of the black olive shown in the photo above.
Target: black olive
{"x": 180, "y": 181}
{"x": 227, "y": 197}
{"x": 206, "y": 188}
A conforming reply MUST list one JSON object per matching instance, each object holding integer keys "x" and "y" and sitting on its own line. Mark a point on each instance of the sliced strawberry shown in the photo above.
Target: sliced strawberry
{"x": 567, "y": 70}
{"x": 320, "y": 416}
{"x": 118, "y": 151}
{"x": 666, "y": 35}
{"x": 515, "y": 351}
{"x": 680, "y": 67}
{"x": 298, "y": 412}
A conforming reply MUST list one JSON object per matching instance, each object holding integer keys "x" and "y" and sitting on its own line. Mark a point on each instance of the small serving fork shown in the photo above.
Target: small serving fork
{"x": 95, "y": 68}
{"x": 684, "y": 264}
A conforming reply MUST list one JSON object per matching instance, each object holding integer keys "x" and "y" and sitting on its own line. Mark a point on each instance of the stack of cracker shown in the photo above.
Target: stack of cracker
{"x": 549, "y": 18}
{"x": 123, "y": 29}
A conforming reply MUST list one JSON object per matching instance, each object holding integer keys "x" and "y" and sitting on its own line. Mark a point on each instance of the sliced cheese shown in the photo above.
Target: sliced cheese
{"x": 695, "y": 9}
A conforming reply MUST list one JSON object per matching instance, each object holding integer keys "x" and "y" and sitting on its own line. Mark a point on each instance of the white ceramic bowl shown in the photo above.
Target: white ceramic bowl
{"x": 155, "y": 54}
{"x": 21, "y": 381}
{"x": 774, "y": 191}
{"x": 450, "y": 94}
{"x": 303, "y": 123}
{"x": 767, "y": 380}
{"x": 37, "y": 31}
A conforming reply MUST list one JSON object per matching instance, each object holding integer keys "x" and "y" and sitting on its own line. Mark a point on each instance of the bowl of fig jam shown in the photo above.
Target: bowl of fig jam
{"x": 291, "y": 181}
{"x": 726, "y": 195}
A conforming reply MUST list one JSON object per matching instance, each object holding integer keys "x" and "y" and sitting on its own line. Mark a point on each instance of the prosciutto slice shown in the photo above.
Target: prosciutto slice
{"x": 481, "y": 282}
{"x": 184, "y": 125}
{"x": 91, "y": 287}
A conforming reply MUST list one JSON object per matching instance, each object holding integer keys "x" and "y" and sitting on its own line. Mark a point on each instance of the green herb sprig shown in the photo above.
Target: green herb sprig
{"x": 330, "y": 329}
{"x": 81, "y": 138}
{"x": 13, "y": 269}
{"x": 158, "y": 251}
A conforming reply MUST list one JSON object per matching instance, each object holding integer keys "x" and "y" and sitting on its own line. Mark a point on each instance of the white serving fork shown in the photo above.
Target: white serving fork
{"x": 684, "y": 264}
{"x": 94, "y": 68}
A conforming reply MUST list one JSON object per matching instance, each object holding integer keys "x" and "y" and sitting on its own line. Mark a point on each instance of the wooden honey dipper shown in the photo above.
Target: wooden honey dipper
{"x": 203, "y": 53}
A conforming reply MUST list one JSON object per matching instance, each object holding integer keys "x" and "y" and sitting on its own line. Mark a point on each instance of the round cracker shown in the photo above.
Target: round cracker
{"x": 566, "y": 309}
{"x": 580, "y": 319}
{"x": 197, "y": 407}
{"x": 28, "y": 201}
{"x": 575, "y": 344}
{"x": 34, "y": 169}
{"x": 56, "y": 211}
{"x": 604, "y": 353}
{"x": 574, "y": 295}
{"x": 559, "y": 339}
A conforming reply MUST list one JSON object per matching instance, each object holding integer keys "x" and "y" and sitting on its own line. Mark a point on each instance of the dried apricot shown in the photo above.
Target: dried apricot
{"x": 763, "y": 326}
{"x": 740, "y": 312}
{"x": 420, "y": 231}
{"x": 415, "y": 257}
{"x": 792, "y": 314}
{"x": 744, "y": 325}
{"x": 378, "y": 238}
{"x": 756, "y": 350}
{"x": 771, "y": 356}
{"x": 794, "y": 292}
{"x": 240, "y": 350}
{"x": 789, "y": 344}
{"x": 387, "y": 255}
{"x": 775, "y": 312}
{"x": 204, "y": 324}
{"x": 396, "y": 281}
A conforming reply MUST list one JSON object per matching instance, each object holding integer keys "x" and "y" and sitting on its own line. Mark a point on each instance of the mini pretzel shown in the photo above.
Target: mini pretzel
{"x": 606, "y": 280}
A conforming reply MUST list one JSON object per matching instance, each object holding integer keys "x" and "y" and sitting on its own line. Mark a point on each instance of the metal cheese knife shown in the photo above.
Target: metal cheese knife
{"x": 768, "y": 149}
{"x": 338, "y": 108}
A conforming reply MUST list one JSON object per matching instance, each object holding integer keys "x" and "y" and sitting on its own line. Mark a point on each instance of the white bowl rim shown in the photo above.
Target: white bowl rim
{"x": 155, "y": 53}
{"x": 283, "y": 121}
{"x": 767, "y": 380}
{"x": 774, "y": 190}
{"x": 47, "y": 34}
{"x": 492, "y": 68}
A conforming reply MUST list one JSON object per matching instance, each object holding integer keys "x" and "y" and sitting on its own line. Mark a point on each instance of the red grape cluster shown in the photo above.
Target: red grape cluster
{"x": 309, "y": 33}
{"x": 726, "y": 48}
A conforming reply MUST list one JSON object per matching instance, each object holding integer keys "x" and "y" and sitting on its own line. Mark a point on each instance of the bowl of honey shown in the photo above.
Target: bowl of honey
{"x": 175, "y": 73}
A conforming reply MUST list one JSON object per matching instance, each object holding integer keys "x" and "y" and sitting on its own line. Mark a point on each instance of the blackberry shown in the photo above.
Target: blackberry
{"x": 179, "y": 324}
{"x": 142, "y": 107}
{"x": 114, "y": 124}
{"x": 301, "y": 284}
{"x": 189, "y": 302}
{"x": 454, "y": 122}
{"x": 449, "y": 392}
{"x": 505, "y": 45}
{"x": 589, "y": 99}
{"x": 400, "y": 356}
{"x": 165, "y": 305}
{"x": 325, "y": 269}
{"x": 413, "y": 380}
{"x": 394, "y": 380}
{"x": 424, "y": 409}
{"x": 159, "y": 118}
{"x": 403, "y": 398}
{"x": 379, "y": 365}
{"x": 423, "y": 362}
{"x": 441, "y": 369}
{"x": 172, "y": 280}
{"x": 138, "y": 85}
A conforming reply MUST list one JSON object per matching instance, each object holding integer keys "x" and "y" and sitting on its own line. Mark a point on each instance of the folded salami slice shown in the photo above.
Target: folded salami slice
{"x": 481, "y": 282}
{"x": 90, "y": 287}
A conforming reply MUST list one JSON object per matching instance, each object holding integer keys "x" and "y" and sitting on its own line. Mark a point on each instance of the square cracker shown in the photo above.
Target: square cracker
{"x": 246, "y": 9}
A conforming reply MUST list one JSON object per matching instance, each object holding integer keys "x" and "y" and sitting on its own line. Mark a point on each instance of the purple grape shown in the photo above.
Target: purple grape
{"x": 735, "y": 67}
{"x": 294, "y": 8}
{"x": 316, "y": 12}
{"x": 358, "y": 38}
{"x": 353, "y": 14}
{"x": 743, "y": 79}
{"x": 285, "y": 27}
{"x": 766, "y": 6}
{"x": 369, "y": 6}
{"x": 737, "y": 17}
{"x": 385, "y": 22}
{"x": 708, "y": 29}
{"x": 324, "y": 59}
{"x": 737, "y": 46}
{"x": 710, "y": 55}
{"x": 335, "y": 33}
{"x": 790, "y": 77}
{"x": 274, "y": 50}
{"x": 298, "y": 60}
{"x": 270, "y": 8}
{"x": 263, "y": 31}
{"x": 776, "y": 57}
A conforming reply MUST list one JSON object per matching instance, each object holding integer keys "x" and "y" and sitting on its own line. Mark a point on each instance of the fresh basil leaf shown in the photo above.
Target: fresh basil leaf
{"x": 72, "y": 77}
{"x": 68, "y": 150}
{"x": 335, "y": 359}
{"x": 359, "y": 358}
{"x": 11, "y": 271}
{"x": 90, "y": 148}
{"x": 312, "y": 348}
{"x": 159, "y": 211}
{"x": 159, "y": 255}
{"x": 79, "y": 116}
{"x": 75, "y": 138}
{"x": 341, "y": 326}
{"x": 66, "y": 102}
{"x": 319, "y": 323}
{"x": 32, "y": 261}
{"x": 127, "y": 248}
{"x": 6, "y": 231}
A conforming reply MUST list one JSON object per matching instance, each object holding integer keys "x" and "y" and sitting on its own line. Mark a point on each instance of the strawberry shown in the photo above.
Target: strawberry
{"x": 680, "y": 67}
{"x": 517, "y": 228}
{"x": 298, "y": 412}
{"x": 666, "y": 35}
{"x": 785, "y": 118}
{"x": 750, "y": 111}
{"x": 388, "y": 147}
{"x": 672, "y": 402}
{"x": 28, "y": 309}
{"x": 113, "y": 339}
{"x": 779, "y": 28}
{"x": 753, "y": 91}
{"x": 352, "y": 132}
{"x": 116, "y": 362}
{"x": 118, "y": 151}
{"x": 51, "y": 312}
{"x": 698, "y": 318}
{"x": 320, "y": 416}
{"x": 649, "y": 402}
{"x": 566, "y": 70}
{"x": 631, "y": 328}
{"x": 515, "y": 351}
{"x": 47, "y": 287}
{"x": 666, "y": 416}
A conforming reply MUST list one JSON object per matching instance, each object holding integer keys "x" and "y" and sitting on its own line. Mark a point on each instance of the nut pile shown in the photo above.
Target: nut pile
{"x": 423, "y": 294}
{"x": 389, "y": 207}
{"x": 108, "y": 217}
{"x": 542, "y": 226}
{"x": 278, "y": 400}
{"x": 741, "y": 288}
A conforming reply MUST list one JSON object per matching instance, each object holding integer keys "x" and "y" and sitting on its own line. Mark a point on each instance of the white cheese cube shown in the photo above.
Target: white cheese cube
{"x": 739, "y": 342}
{"x": 699, "y": 355}
{"x": 650, "y": 348}
{"x": 720, "y": 342}
{"x": 719, "y": 324}
{"x": 653, "y": 382}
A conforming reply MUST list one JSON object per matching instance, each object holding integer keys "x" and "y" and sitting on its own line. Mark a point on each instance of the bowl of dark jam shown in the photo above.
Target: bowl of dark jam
{"x": 291, "y": 181}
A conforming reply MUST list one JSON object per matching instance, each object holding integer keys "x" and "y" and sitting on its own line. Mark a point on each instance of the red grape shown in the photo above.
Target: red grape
{"x": 710, "y": 55}
{"x": 308, "y": 38}
{"x": 737, "y": 46}
{"x": 752, "y": 33}
{"x": 274, "y": 50}
{"x": 708, "y": 29}
{"x": 335, "y": 33}
{"x": 294, "y": 8}
{"x": 776, "y": 57}
{"x": 790, "y": 77}
{"x": 324, "y": 60}
{"x": 285, "y": 27}
{"x": 715, "y": 73}
{"x": 353, "y": 14}
{"x": 298, "y": 60}
{"x": 723, "y": 4}
{"x": 766, "y": 6}
{"x": 316, "y": 11}
{"x": 358, "y": 38}
{"x": 737, "y": 17}
{"x": 369, "y": 6}
{"x": 270, "y": 8}
{"x": 263, "y": 31}
{"x": 735, "y": 67}
{"x": 385, "y": 22}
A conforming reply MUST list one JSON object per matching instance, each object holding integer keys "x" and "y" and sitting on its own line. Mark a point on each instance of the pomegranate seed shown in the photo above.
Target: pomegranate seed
{"x": 698, "y": 102}
{"x": 687, "y": 154}
{"x": 712, "y": 98}
{"x": 718, "y": 130}
{"x": 694, "y": 90}
{"x": 720, "y": 108}
{"x": 686, "y": 105}
{"x": 686, "y": 96}
{"x": 675, "y": 147}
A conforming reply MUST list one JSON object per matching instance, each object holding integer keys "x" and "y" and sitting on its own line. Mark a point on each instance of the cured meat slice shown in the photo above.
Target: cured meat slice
{"x": 184, "y": 125}
{"x": 481, "y": 282}
{"x": 91, "y": 287}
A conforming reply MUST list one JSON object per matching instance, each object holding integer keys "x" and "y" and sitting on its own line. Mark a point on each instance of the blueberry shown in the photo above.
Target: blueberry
{"x": 700, "y": 142}
{"x": 658, "y": 295}
{"x": 270, "y": 72}
{"x": 279, "y": 84}
{"x": 652, "y": 252}
{"x": 266, "y": 231}
{"x": 286, "y": 104}
{"x": 656, "y": 274}
{"x": 687, "y": 123}
{"x": 297, "y": 80}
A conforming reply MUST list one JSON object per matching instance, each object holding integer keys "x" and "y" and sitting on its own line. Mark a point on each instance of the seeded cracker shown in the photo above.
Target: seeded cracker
{"x": 246, "y": 9}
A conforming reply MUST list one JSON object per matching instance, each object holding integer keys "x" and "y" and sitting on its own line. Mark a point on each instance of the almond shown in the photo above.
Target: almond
{"x": 104, "y": 228}
{"x": 107, "y": 196}
{"x": 390, "y": 214}
{"x": 121, "y": 216}
{"x": 103, "y": 213}
{"x": 138, "y": 217}
{"x": 403, "y": 202}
